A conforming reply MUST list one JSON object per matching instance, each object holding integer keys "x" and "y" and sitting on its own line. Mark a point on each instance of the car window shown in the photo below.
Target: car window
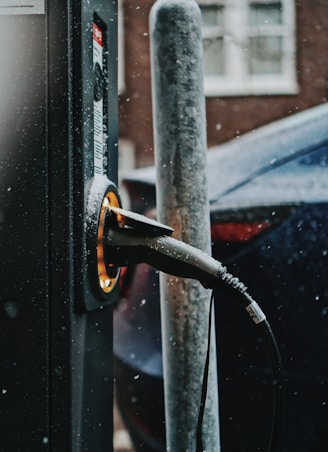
{"x": 304, "y": 179}
{"x": 315, "y": 158}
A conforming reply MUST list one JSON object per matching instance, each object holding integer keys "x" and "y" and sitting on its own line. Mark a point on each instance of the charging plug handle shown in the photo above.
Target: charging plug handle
{"x": 126, "y": 246}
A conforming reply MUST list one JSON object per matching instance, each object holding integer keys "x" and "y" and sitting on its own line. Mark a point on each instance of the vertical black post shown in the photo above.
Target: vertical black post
{"x": 24, "y": 232}
{"x": 57, "y": 86}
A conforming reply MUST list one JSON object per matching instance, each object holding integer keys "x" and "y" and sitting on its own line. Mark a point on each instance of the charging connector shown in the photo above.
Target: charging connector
{"x": 143, "y": 240}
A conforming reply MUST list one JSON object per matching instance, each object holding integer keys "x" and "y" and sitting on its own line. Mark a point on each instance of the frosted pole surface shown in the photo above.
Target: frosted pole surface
{"x": 182, "y": 200}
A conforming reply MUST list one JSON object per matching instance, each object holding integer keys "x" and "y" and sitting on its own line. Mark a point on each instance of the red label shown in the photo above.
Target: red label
{"x": 97, "y": 34}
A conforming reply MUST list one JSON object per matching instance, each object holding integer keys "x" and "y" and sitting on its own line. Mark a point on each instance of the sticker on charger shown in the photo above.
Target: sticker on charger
{"x": 12, "y": 7}
{"x": 98, "y": 103}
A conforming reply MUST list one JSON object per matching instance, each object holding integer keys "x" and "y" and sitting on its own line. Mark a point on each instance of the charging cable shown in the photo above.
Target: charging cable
{"x": 130, "y": 239}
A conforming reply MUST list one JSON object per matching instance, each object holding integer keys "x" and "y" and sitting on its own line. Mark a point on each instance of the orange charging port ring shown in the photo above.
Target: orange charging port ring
{"x": 107, "y": 274}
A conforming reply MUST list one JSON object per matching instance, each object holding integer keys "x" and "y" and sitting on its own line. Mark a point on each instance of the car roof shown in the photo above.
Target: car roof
{"x": 255, "y": 152}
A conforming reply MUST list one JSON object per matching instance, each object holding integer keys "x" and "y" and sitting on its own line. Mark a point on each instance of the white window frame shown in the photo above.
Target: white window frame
{"x": 237, "y": 80}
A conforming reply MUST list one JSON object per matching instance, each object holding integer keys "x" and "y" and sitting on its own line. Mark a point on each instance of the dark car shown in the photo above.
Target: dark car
{"x": 268, "y": 195}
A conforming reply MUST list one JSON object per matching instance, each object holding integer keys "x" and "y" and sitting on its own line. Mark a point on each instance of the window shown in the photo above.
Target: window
{"x": 249, "y": 47}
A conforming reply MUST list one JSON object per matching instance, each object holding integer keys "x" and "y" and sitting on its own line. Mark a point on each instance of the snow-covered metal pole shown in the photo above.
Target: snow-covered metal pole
{"x": 182, "y": 200}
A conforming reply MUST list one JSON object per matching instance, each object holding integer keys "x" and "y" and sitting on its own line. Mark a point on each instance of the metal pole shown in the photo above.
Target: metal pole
{"x": 182, "y": 200}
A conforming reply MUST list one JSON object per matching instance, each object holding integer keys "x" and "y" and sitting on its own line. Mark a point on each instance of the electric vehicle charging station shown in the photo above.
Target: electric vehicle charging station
{"x": 63, "y": 233}
{"x": 58, "y": 157}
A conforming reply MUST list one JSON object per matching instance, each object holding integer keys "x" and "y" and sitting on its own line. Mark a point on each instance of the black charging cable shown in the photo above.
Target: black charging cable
{"x": 276, "y": 368}
{"x": 132, "y": 239}
{"x": 199, "y": 430}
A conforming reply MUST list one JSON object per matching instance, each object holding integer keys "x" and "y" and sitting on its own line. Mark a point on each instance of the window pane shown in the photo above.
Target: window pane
{"x": 265, "y": 13}
{"x": 213, "y": 26}
{"x": 265, "y": 55}
{"x": 212, "y": 15}
{"x": 214, "y": 56}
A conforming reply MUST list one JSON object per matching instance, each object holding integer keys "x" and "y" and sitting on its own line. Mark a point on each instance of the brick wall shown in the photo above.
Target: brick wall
{"x": 227, "y": 117}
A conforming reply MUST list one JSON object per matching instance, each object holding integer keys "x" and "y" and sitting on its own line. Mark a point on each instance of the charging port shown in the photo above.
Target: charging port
{"x": 100, "y": 286}
{"x": 107, "y": 273}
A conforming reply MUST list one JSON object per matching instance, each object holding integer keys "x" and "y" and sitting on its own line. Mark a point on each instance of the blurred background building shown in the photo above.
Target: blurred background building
{"x": 263, "y": 60}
